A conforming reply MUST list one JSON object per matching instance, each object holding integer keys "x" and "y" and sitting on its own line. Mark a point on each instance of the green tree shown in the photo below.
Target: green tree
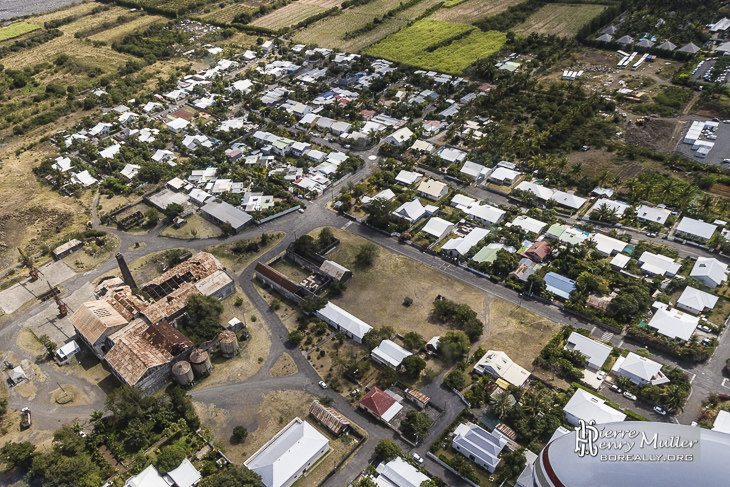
{"x": 295, "y": 337}
{"x": 415, "y": 425}
{"x": 455, "y": 379}
{"x": 379, "y": 211}
{"x": 387, "y": 377}
{"x": 172, "y": 210}
{"x": 305, "y": 245}
{"x": 152, "y": 215}
{"x": 48, "y": 344}
{"x": 204, "y": 313}
{"x": 17, "y": 454}
{"x": 325, "y": 238}
{"x": 367, "y": 254}
{"x": 512, "y": 464}
{"x": 337, "y": 288}
{"x": 310, "y": 305}
{"x": 233, "y": 476}
{"x": 453, "y": 344}
{"x": 68, "y": 441}
{"x": 504, "y": 263}
{"x": 462, "y": 466}
{"x": 413, "y": 341}
{"x": 675, "y": 397}
{"x": 169, "y": 458}
{"x": 387, "y": 450}
{"x": 371, "y": 339}
{"x": 240, "y": 433}
{"x": 227, "y": 228}
{"x": 413, "y": 365}
{"x": 500, "y": 403}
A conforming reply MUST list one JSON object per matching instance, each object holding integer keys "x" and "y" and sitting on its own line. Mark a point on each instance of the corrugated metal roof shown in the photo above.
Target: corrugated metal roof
{"x": 212, "y": 283}
{"x": 92, "y": 319}
{"x": 330, "y": 418}
{"x": 171, "y": 304}
{"x": 276, "y": 277}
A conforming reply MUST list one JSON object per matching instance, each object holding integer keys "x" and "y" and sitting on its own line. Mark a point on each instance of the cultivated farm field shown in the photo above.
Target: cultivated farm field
{"x": 294, "y": 13}
{"x": 121, "y": 31}
{"x": 560, "y": 19}
{"x": 437, "y": 45}
{"x": 330, "y": 32}
{"x": 16, "y": 29}
{"x": 470, "y": 11}
{"x": 229, "y": 12}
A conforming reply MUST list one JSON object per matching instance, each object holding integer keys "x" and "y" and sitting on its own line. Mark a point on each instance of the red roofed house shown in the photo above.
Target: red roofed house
{"x": 537, "y": 251}
{"x": 367, "y": 114}
{"x": 381, "y": 405}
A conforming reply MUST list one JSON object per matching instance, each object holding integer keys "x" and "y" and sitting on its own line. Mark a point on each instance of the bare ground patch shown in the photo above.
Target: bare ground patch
{"x": 284, "y": 366}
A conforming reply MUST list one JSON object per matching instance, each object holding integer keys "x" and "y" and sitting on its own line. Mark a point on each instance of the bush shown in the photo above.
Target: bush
{"x": 240, "y": 433}
{"x": 169, "y": 458}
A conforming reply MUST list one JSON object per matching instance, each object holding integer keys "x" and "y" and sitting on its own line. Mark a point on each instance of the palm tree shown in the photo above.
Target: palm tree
{"x": 674, "y": 397}
{"x": 500, "y": 403}
{"x": 603, "y": 178}
{"x": 706, "y": 203}
{"x": 576, "y": 169}
{"x": 668, "y": 189}
{"x": 561, "y": 164}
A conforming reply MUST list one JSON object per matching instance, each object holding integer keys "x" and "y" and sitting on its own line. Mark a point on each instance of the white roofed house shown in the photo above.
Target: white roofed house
{"x": 695, "y": 301}
{"x": 595, "y": 352}
{"x": 177, "y": 125}
{"x": 462, "y": 202}
{"x": 438, "y": 227}
{"x": 422, "y": 146}
{"x": 399, "y": 473}
{"x": 474, "y": 170}
{"x": 648, "y": 214}
{"x": 538, "y": 190}
{"x": 653, "y": 265}
{"x": 639, "y": 370}
{"x": 529, "y": 225}
{"x": 584, "y": 405}
{"x": 487, "y": 214}
{"x": 83, "y": 178}
{"x": 62, "y": 164}
{"x": 433, "y": 190}
{"x": 162, "y": 155}
{"x": 341, "y": 320}
{"x": 130, "y": 171}
{"x": 480, "y": 446}
{"x": 389, "y": 353}
{"x": 710, "y": 271}
{"x": 568, "y": 200}
{"x": 499, "y": 365}
{"x": 285, "y": 458}
{"x": 110, "y": 152}
{"x": 220, "y": 212}
{"x": 407, "y": 178}
{"x": 386, "y": 194}
{"x": 99, "y": 129}
{"x": 504, "y": 176}
{"x": 674, "y": 324}
{"x": 399, "y": 138}
{"x": 459, "y": 247}
{"x": 696, "y": 230}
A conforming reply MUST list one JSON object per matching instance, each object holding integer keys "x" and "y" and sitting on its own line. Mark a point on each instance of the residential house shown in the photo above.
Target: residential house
{"x": 617, "y": 208}
{"x": 298, "y": 149}
{"x": 83, "y": 178}
{"x": 389, "y": 353}
{"x": 438, "y": 227}
{"x": 710, "y": 271}
{"x": 648, "y": 214}
{"x": 100, "y": 129}
{"x": 695, "y": 301}
{"x": 542, "y": 193}
{"x": 130, "y": 171}
{"x": 462, "y": 202}
{"x": 568, "y": 200}
{"x": 504, "y": 176}
{"x": 451, "y": 155}
{"x": 486, "y": 214}
{"x": 399, "y": 473}
{"x": 385, "y": 195}
{"x": 639, "y": 370}
{"x": 587, "y": 407}
{"x": 422, "y": 147}
{"x": 559, "y": 285}
{"x": 184, "y": 475}
{"x": 658, "y": 265}
{"x": 696, "y": 230}
{"x": 474, "y": 170}
{"x": 162, "y": 155}
{"x": 285, "y": 457}
{"x": 177, "y": 125}
{"x": 607, "y": 245}
{"x": 341, "y": 320}
{"x": 595, "y": 352}
{"x": 110, "y": 152}
{"x": 62, "y": 164}
{"x": 380, "y": 404}
{"x": 499, "y": 365}
{"x": 620, "y": 261}
{"x": 529, "y": 225}
{"x": 407, "y": 178}
{"x": 537, "y": 252}
{"x": 478, "y": 445}
{"x": 399, "y": 138}
{"x": 674, "y": 324}
{"x": 432, "y": 189}
{"x": 459, "y": 247}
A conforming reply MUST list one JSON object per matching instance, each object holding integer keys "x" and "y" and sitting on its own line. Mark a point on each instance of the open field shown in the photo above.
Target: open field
{"x": 16, "y": 29}
{"x": 438, "y": 45}
{"x": 519, "y": 333}
{"x": 229, "y": 12}
{"x": 375, "y": 295}
{"x": 74, "y": 10}
{"x": 472, "y": 10}
{"x": 560, "y": 19}
{"x": 197, "y": 225}
{"x": 294, "y": 13}
{"x": 117, "y": 33}
{"x": 238, "y": 262}
{"x": 330, "y": 32}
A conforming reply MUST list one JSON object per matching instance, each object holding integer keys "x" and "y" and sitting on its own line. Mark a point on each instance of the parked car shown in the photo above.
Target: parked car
{"x": 301, "y": 210}
{"x": 628, "y": 395}
{"x": 659, "y": 410}
{"x": 601, "y": 375}
{"x": 417, "y": 457}
{"x": 651, "y": 234}
{"x": 705, "y": 341}
{"x": 616, "y": 389}
{"x": 322, "y": 384}
{"x": 82, "y": 434}
{"x": 704, "y": 328}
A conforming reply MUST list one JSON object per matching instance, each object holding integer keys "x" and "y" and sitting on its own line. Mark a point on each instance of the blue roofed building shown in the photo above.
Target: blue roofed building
{"x": 559, "y": 285}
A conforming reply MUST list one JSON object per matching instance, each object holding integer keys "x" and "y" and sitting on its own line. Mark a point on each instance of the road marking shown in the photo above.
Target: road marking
{"x": 593, "y": 330}
{"x": 344, "y": 227}
{"x": 607, "y": 336}
{"x": 723, "y": 383}
{"x": 693, "y": 378}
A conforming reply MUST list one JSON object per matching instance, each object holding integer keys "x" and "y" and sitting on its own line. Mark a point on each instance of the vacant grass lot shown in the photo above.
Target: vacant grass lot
{"x": 437, "y": 45}
{"x": 294, "y": 13}
{"x": 330, "y": 32}
{"x": 470, "y": 11}
{"x": 560, "y": 19}
{"x": 519, "y": 333}
{"x": 16, "y": 29}
{"x": 375, "y": 295}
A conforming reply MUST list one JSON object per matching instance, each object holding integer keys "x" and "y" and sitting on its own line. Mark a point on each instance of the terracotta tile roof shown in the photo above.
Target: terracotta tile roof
{"x": 276, "y": 277}
{"x": 377, "y": 402}
{"x": 93, "y": 318}
{"x": 139, "y": 347}
{"x": 539, "y": 249}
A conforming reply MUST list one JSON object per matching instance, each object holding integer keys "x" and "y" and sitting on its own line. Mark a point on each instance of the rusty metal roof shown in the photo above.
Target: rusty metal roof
{"x": 92, "y": 319}
{"x": 139, "y": 347}
{"x": 67, "y": 246}
{"x": 329, "y": 417}
{"x": 418, "y": 395}
{"x": 277, "y": 277}
{"x": 212, "y": 283}
{"x": 198, "y": 266}
{"x": 171, "y": 304}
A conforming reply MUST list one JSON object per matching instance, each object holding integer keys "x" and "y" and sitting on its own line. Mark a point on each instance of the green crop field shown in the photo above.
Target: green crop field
{"x": 294, "y": 13}
{"x": 439, "y": 46}
{"x": 560, "y": 19}
{"x": 16, "y": 29}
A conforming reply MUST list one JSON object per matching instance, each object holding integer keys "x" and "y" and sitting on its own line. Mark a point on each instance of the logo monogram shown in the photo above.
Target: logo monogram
{"x": 585, "y": 438}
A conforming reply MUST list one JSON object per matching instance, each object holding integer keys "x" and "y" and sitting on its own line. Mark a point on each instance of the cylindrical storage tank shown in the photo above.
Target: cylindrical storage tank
{"x": 200, "y": 360}
{"x": 183, "y": 373}
{"x": 229, "y": 344}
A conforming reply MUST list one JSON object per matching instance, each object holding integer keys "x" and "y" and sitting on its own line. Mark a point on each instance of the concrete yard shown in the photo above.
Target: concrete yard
{"x": 720, "y": 151}
{"x": 59, "y": 329}
{"x": 14, "y": 298}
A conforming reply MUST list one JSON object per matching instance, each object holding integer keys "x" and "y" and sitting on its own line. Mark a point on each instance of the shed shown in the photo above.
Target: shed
{"x": 17, "y": 375}
{"x": 67, "y": 249}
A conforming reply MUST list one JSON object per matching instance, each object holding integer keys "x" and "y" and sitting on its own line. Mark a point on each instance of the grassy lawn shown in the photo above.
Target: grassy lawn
{"x": 519, "y": 333}
{"x": 84, "y": 260}
{"x": 720, "y": 313}
{"x": 196, "y": 227}
{"x": 559, "y": 19}
{"x": 16, "y": 29}
{"x": 376, "y": 294}
{"x": 239, "y": 261}
{"x": 284, "y": 366}
{"x": 292, "y": 270}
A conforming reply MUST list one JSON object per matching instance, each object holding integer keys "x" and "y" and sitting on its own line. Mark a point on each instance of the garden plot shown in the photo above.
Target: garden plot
{"x": 472, "y": 10}
{"x": 560, "y": 19}
{"x": 294, "y": 13}
{"x": 16, "y": 30}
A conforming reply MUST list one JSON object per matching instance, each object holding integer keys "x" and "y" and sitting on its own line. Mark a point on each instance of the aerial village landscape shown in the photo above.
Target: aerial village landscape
{"x": 364, "y": 243}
